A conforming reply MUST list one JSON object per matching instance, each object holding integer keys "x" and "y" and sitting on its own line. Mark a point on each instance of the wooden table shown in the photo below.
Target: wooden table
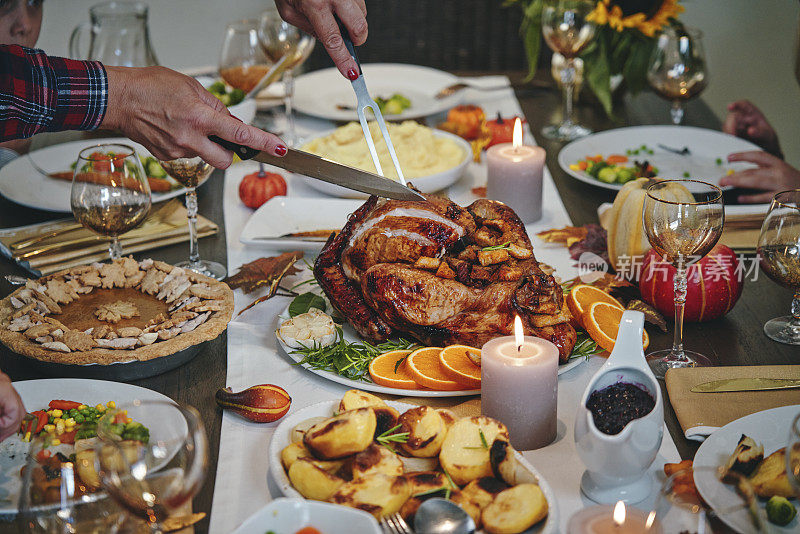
{"x": 736, "y": 339}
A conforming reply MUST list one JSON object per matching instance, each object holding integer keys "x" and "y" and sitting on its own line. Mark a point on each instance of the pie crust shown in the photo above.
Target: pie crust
{"x": 153, "y": 309}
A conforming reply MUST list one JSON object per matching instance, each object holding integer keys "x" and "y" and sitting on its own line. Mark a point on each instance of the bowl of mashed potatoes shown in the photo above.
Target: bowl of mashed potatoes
{"x": 431, "y": 159}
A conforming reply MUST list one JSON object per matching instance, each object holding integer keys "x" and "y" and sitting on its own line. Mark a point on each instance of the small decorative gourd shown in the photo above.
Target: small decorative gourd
{"x": 255, "y": 189}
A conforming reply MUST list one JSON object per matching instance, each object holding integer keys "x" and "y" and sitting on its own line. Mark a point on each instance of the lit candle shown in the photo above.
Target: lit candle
{"x": 613, "y": 520}
{"x": 515, "y": 176}
{"x": 519, "y": 387}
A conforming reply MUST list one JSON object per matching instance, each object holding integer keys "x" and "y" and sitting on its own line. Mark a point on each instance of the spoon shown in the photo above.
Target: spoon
{"x": 440, "y": 516}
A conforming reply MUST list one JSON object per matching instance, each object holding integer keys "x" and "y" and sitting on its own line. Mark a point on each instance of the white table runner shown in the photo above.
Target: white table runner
{"x": 242, "y": 482}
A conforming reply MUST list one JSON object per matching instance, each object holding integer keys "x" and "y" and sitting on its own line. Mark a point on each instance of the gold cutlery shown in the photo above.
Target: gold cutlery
{"x": 746, "y": 384}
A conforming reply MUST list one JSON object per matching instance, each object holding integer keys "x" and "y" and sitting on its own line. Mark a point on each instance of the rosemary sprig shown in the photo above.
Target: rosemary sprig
{"x": 504, "y": 246}
{"x": 452, "y": 484}
{"x": 483, "y": 439}
{"x": 391, "y": 437}
{"x": 585, "y": 346}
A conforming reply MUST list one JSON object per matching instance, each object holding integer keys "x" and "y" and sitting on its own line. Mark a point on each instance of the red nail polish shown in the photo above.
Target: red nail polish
{"x": 280, "y": 150}
{"x": 352, "y": 75}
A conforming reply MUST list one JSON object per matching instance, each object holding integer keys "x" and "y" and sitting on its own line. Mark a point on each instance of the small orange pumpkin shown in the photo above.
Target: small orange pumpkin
{"x": 254, "y": 189}
{"x": 465, "y": 121}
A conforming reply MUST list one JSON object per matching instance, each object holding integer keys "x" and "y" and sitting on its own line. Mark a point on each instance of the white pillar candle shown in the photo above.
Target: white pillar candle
{"x": 515, "y": 175}
{"x": 519, "y": 387}
{"x": 613, "y": 520}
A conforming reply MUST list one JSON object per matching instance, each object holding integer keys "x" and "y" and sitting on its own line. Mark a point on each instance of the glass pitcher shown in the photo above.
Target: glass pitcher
{"x": 118, "y": 35}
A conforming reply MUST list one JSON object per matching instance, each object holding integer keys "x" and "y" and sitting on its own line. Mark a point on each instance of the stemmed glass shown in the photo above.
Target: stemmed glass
{"x": 779, "y": 255}
{"x": 566, "y": 31}
{"x": 192, "y": 172}
{"x": 681, "y": 232}
{"x": 677, "y": 68}
{"x": 152, "y": 480}
{"x": 242, "y": 61}
{"x": 280, "y": 39}
{"x": 110, "y": 193}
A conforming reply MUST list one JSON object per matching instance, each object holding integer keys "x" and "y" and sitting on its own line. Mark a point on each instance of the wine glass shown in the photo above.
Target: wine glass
{"x": 779, "y": 255}
{"x": 155, "y": 473}
{"x": 793, "y": 456}
{"x": 677, "y": 68}
{"x": 192, "y": 172}
{"x": 243, "y": 62}
{"x": 567, "y": 31}
{"x": 55, "y": 499}
{"x": 681, "y": 232}
{"x": 280, "y": 39}
{"x": 110, "y": 192}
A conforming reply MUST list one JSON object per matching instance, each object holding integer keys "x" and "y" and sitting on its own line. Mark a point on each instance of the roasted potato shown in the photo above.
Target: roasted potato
{"x": 412, "y": 464}
{"x": 84, "y": 465}
{"x": 428, "y": 481}
{"x": 342, "y": 435}
{"x": 515, "y": 510}
{"x": 313, "y": 482}
{"x": 482, "y": 491}
{"x": 769, "y": 478}
{"x": 375, "y": 459}
{"x": 426, "y": 431}
{"x": 301, "y": 428}
{"x": 468, "y": 505}
{"x": 745, "y": 458}
{"x": 86, "y": 457}
{"x": 503, "y": 461}
{"x": 378, "y": 494}
{"x": 465, "y": 450}
{"x": 386, "y": 416}
{"x": 296, "y": 451}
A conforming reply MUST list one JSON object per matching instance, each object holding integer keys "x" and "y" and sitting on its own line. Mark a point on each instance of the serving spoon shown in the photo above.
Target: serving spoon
{"x": 440, "y": 516}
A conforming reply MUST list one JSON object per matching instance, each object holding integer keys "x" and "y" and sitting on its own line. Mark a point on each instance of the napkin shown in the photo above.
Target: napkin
{"x": 700, "y": 414}
{"x": 64, "y": 243}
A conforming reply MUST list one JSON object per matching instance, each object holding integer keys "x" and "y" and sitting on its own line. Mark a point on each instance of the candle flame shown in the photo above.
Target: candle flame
{"x": 651, "y": 518}
{"x": 519, "y": 334}
{"x": 619, "y": 513}
{"x": 517, "y": 136}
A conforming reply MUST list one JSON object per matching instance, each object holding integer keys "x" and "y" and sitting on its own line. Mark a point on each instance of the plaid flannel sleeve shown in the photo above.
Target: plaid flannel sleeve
{"x": 43, "y": 93}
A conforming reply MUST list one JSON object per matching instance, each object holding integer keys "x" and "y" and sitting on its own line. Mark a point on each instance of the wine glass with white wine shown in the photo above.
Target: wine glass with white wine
{"x": 110, "y": 192}
{"x": 567, "y": 30}
{"x": 282, "y": 40}
{"x": 779, "y": 256}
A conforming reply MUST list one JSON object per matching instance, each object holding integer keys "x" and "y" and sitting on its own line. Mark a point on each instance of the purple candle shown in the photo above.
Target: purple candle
{"x": 515, "y": 176}
{"x": 519, "y": 387}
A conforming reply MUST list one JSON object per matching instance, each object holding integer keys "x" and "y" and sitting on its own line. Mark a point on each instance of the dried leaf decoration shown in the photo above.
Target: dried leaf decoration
{"x": 650, "y": 313}
{"x": 263, "y": 272}
{"x": 567, "y": 235}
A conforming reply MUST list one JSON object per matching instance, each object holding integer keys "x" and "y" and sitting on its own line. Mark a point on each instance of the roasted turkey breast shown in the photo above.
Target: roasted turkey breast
{"x": 440, "y": 273}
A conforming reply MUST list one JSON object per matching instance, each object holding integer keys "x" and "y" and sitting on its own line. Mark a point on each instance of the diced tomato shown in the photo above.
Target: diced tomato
{"x": 120, "y": 418}
{"x": 68, "y": 437}
{"x": 307, "y": 530}
{"x": 596, "y": 159}
{"x": 582, "y": 165}
{"x": 42, "y": 455}
{"x": 616, "y": 158}
{"x": 63, "y": 405}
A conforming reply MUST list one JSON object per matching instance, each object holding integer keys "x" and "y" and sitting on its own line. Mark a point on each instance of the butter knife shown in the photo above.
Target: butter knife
{"x": 746, "y": 384}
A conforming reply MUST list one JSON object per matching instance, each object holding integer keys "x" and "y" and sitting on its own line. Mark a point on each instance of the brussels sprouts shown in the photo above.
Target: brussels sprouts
{"x": 780, "y": 511}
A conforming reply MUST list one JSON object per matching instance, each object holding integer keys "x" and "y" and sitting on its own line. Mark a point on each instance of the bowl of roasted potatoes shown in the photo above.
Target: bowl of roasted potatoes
{"x": 387, "y": 458}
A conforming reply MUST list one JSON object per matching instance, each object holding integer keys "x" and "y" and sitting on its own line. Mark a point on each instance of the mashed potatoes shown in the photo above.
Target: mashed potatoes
{"x": 419, "y": 151}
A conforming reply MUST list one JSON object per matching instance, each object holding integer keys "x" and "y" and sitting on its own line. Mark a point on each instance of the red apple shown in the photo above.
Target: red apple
{"x": 714, "y": 284}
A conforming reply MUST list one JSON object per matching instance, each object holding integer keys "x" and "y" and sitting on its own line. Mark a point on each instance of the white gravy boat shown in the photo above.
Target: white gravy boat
{"x": 616, "y": 465}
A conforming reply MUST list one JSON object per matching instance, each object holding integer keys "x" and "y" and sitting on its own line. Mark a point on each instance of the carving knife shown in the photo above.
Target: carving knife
{"x": 746, "y": 384}
{"x": 326, "y": 170}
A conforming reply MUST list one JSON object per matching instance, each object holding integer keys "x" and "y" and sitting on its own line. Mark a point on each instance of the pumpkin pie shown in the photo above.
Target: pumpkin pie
{"x": 121, "y": 311}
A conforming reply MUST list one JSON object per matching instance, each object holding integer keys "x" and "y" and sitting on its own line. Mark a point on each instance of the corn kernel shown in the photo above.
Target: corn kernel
{"x": 111, "y": 404}
{"x": 100, "y": 408}
{"x": 730, "y": 171}
{"x": 57, "y": 413}
{"x": 82, "y": 407}
{"x": 60, "y": 427}
{"x": 55, "y": 442}
{"x": 128, "y": 420}
{"x": 69, "y": 422}
{"x": 574, "y": 167}
{"x": 49, "y": 428}
{"x": 27, "y": 436}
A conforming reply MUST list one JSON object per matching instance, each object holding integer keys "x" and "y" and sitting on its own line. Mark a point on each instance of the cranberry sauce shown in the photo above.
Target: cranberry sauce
{"x": 617, "y": 405}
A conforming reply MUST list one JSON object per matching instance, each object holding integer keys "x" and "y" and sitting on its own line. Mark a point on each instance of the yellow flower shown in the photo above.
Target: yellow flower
{"x": 607, "y": 13}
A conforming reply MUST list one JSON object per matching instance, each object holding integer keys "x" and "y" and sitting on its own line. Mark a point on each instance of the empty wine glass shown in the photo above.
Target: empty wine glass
{"x": 779, "y": 255}
{"x": 242, "y": 61}
{"x": 110, "y": 193}
{"x": 677, "y": 69}
{"x": 681, "y": 232}
{"x": 280, "y": 39}
{"x": 55, "y": 498}
{"x": 567, "y": 31}
{"x": 192, "y": 172}
{"x": 156, "y": 475}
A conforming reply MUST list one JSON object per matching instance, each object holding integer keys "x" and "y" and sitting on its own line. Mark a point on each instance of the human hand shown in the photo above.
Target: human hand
{"x": 316, "y": 17}
{"x": 745, "y": 120}
{"x": 772, "y": 175}
{"x": 12, "y": 410}
{"x": 172, "y": 115}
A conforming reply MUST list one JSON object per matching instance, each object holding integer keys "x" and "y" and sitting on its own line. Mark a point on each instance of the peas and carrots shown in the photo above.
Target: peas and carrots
{"x": 612, "y": 169}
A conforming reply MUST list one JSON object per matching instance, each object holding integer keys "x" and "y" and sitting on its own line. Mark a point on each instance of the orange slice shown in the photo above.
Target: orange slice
{"x": 381, "y": 369}
{"x": 425, "y": 369}
{"x": 582, "y": 296}
{"x": 602, "y": 324}
{"x": 457, "y": 365}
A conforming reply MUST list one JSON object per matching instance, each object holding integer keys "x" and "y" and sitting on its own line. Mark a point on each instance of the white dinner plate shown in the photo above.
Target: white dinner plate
{"x": 769, "y": 428}
{"x": 286, "y": 215}
{"x": 706, "y": 147}
{"x": 20, "y": 182}
{"x": 287, "y": 516}
{"x": 36, "y": 394}
{"x": 282, "y": 438}
{"x": 425, "y": 184}
{"x": 318, "y": 93}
